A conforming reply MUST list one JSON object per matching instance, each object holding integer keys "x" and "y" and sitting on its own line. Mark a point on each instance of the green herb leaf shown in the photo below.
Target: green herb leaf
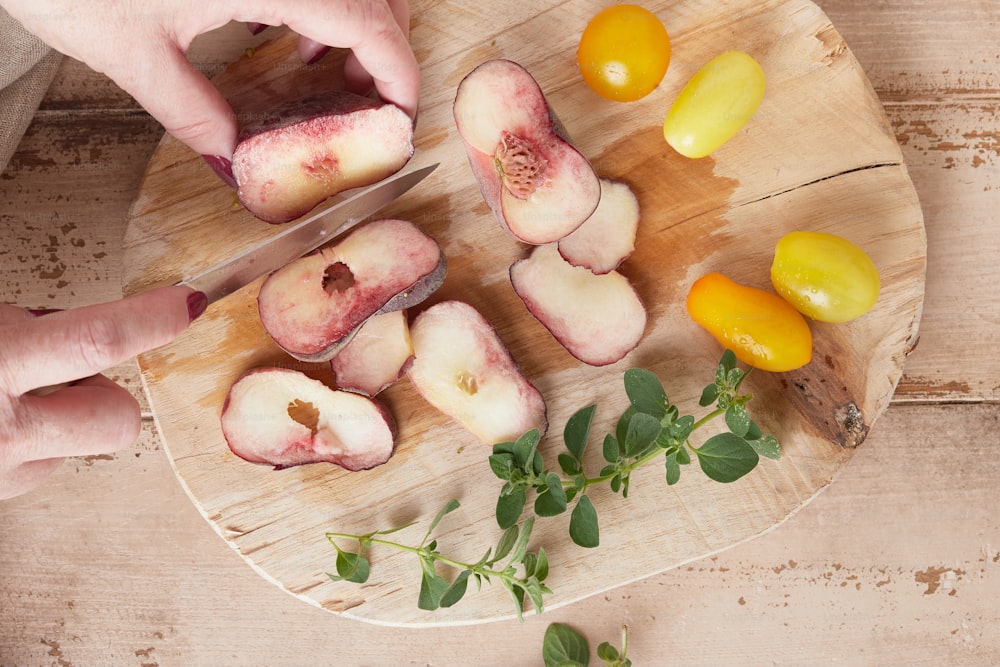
{"x": 766, "y": 446}
{"x": 510, "y": 506}
{"x": 503, "y": 448}
{"x": 607, "y": 652}
{"x": 708, "y": 395}
{"x": 568, "y": 464}
{"x": 541, "y": 565}
{"x": 505, "y": 545}
{"x": 621, "y": 429}
{"x": 456, "y": 591}
{"x": 563, "y": 646}
{"x": 521, "y": 548}
{"x": 502, "y": 465}
{"x": 535, "y": 591}
{"x": 616, "y": 483}
{"x": 726, "y": 457}
{"x": 738, "y": 420}
{"x": 645, "y": 392}
{"x": 583, "y": 528}
{"x": 450, "y": 506}
{"x": 525, "y": 448}
{"x": 432, "y": 589}
{"x": 552, "y": 501}
{"x": 673, "y": 469}
{"x": 643, "y": 429}
{"x": 577, "y": 431}
{"x": 727, "y": 362}
{"x": 352, "y": 567}
{"x": 611, "y": 449}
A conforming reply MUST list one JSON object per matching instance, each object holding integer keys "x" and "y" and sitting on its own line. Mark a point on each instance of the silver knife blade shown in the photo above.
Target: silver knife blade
{"x": 242, "y": 269}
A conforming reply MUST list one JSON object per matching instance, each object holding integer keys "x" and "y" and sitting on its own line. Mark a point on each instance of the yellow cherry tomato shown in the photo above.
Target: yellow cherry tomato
{"x": 714, "y": 104}
{"x": 826, "y": 277}
{"x": 761, "y": 328}
{"x": 624, "y": 52}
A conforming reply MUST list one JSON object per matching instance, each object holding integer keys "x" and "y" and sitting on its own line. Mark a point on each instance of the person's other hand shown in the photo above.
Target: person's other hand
{"x": 142, "y": 47}
{"x": 53, "y": 401}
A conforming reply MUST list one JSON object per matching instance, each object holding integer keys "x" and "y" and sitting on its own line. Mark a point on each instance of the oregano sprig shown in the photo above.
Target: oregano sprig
{"x": 651, "y": 427}
{"x": 522, "y": 576}
{"x": 563, "y": 646}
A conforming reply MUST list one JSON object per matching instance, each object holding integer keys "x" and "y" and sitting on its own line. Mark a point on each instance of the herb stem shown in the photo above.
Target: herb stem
{"x": 423, "y": 551}
{"x": 707, "y": 418}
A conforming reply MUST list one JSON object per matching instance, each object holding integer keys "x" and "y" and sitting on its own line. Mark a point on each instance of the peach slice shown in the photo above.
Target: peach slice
{"x": 284, "y": 418}
{"x": 313, "y": 306}
{"x": 607, "y": 237}
{"x": 538, "y": 185}
{"x": 377, "y": 356}
{"x": 287, "y": 162}
{"x": 463, "y": 368}
{"x": 597, "y": 318}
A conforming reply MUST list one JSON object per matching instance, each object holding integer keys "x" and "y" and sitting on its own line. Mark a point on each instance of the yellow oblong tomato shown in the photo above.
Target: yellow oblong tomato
{"x": 826, "y": 277}
{"x": 714, "y": 104}
{"x": 624, "y": 52}
{"x": 762, "y": 329}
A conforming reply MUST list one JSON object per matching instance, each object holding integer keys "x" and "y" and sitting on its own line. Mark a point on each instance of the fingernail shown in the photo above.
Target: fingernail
{"x": 197, "y": 302}
{"x": 222, "y": 167}
{"x": 314, "y": 58}
{"x": 38, "y": 312}
{"x": 256, "y": 28}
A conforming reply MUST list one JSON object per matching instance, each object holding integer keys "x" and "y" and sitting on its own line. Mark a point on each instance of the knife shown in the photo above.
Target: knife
{"x": 242, "y": 269}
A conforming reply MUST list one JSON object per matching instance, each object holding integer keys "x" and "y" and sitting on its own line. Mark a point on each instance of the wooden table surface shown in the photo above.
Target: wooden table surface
{"x": 897, "y": 562}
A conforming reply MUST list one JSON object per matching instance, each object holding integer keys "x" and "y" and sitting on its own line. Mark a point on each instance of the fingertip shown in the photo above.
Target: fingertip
{"x": 197, "y": 303}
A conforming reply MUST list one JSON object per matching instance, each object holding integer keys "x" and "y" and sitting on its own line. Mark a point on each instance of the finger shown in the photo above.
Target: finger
{"x": 78, "y": 343}
{"x": 356, "y": 78}
{"x": 13, "y": 314}
{"x": 92, "y": 416}
{"x": 310, "y": 50}
{"x": 177, "y": 95}
{"x": 371, "y": 30}
{"x": 26, "y": 477}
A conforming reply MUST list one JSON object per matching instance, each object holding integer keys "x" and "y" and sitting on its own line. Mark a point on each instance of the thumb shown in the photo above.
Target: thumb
{"x": 186, "y": 103}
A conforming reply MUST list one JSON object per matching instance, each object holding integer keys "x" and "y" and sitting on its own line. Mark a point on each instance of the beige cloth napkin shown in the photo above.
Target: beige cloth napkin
{"x": 27, "y": 67}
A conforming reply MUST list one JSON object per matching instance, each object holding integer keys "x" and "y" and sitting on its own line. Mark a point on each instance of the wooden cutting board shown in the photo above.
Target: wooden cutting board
{"x": 819, "y": 155}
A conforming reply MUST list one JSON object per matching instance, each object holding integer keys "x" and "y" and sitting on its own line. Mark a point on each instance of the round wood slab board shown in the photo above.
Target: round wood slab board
{"x": 818, "y": 155}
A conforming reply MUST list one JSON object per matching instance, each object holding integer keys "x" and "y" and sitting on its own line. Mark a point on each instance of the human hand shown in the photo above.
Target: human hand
{"x": 142, "y": 46}
{"x": 61, "y": 353}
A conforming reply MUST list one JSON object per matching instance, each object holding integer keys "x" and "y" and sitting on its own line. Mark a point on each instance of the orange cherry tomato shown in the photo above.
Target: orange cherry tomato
{"x": 762, "y": 329}
{"x": 624, "y": 52}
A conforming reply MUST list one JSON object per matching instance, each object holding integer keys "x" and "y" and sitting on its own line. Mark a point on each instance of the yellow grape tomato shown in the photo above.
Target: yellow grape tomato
{"x": 761, "y": 328}
{"x": 624, "y": 52}
{"x": 714, "y": 104}
{"x": 826, "y": 277}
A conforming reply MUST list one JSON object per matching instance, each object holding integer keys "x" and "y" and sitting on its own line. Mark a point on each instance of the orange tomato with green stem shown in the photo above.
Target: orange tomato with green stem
{"x": 762, "y": 329}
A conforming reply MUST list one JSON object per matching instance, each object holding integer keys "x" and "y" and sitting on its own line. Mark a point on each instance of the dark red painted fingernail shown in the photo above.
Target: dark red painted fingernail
{"x": 38, "y": 312}
{"x": 197, "y": 302}
{"x": 257, "y": 28}
{"x": 222, "y": 167}
{"x": 314, "y": 58}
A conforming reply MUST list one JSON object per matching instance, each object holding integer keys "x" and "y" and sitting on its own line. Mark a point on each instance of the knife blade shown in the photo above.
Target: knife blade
{"x": 242, "y": 269}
